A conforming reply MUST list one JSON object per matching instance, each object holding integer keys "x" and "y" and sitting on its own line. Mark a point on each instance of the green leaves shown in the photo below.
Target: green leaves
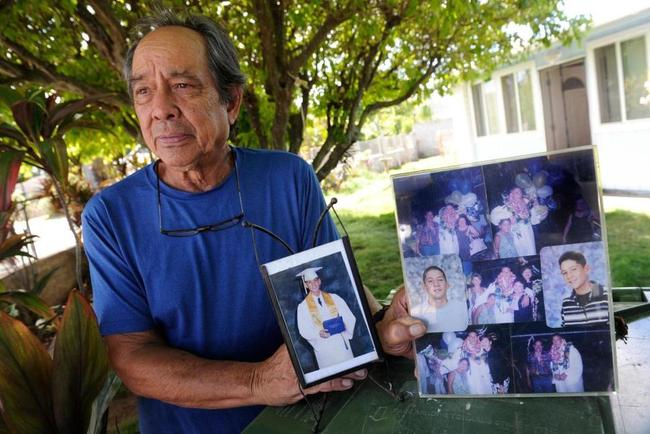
{"x": 25, "y": 380}
{"x": 29, "y": 301}
{"x": 39, "y": 395}
{"x": 9, "y": 167}
{"x": 14, "y": 245}
{"x": 80, "y": 366}
{"x": 29, "y": 117}
{"x": 54, "y": 155}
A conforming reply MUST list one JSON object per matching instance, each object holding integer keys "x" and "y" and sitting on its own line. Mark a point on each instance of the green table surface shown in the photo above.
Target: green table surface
{"x": 368, "y": 408}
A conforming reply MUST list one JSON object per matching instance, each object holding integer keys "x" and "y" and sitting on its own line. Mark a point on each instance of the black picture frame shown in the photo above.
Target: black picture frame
{"x": 315, "y": 358}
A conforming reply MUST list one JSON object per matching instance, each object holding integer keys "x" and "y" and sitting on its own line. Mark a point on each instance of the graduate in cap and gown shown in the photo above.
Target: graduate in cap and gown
{"x": 325, "y": 321}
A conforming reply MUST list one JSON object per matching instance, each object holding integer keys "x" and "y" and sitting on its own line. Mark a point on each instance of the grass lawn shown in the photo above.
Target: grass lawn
{"x": 628, "y": 234}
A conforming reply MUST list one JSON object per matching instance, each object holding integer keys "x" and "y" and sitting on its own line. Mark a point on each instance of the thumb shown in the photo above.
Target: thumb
{"x": 404, "y": 329}
{"x": 396, "y": 335}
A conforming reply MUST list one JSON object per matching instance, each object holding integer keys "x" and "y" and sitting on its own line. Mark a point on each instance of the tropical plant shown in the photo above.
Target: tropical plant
{"x": 10, "y": 161}
{"x": 41, "y": 124}
{"x": 43, "y": 394}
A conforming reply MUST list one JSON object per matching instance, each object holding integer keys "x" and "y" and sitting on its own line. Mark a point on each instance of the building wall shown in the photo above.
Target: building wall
{"x": 623, "y": 147}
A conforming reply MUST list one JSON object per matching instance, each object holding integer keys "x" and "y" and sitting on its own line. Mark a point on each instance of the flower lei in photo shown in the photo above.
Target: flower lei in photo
{"x": 532, "y": 205}
{"x": 448, "y": 218}
{"x": 467, "y": 204}
{"x": 560, "y": 355}
{"x": 504, "y": 289}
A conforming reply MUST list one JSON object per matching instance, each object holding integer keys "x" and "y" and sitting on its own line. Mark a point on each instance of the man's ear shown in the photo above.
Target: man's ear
{"x": 236, "y": 97}
{"x": 587, "y": 268}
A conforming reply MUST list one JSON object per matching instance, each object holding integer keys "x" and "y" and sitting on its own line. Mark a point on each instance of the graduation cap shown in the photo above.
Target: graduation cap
{"x": 309, "y": 273}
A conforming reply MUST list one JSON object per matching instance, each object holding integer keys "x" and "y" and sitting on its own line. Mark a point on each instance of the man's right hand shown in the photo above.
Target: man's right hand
{"x": 275, "y": 383}
{"x": 324, "y": 334}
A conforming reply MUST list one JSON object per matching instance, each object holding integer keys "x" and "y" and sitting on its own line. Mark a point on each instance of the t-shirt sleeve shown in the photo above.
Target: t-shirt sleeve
{"x": 118, "y": 295}
{"x": 313, "y": 205}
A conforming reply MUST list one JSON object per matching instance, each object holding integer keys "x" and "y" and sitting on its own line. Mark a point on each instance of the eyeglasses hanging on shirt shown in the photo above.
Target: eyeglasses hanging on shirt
{"x": 237, "y": 219}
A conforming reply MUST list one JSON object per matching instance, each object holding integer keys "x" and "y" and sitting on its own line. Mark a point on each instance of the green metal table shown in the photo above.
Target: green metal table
{"x": 370, "y": 408}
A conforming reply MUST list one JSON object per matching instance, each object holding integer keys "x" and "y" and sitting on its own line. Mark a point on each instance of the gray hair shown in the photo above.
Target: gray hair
{"x": 222, "y": 56}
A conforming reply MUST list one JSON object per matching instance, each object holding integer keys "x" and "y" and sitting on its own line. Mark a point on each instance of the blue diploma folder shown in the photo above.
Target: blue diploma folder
{"x": 334, "y": 326}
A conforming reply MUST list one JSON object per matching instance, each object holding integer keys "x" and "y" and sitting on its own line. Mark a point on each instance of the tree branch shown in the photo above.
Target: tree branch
{"x": 105, "y": 32}
{"x": 409, "y": 92}
{"x": 253, "y": 108}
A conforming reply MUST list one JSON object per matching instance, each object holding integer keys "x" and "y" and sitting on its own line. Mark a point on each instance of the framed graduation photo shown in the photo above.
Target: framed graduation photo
{"x": 323, "y": 313}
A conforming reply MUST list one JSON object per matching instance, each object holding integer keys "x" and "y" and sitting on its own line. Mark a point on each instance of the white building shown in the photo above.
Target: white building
{"x": 593, "y": 92}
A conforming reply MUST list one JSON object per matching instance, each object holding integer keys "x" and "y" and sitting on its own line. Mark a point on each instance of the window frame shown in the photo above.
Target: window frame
{"x": 617, "y": 41}
{"x": 496, "y": 79}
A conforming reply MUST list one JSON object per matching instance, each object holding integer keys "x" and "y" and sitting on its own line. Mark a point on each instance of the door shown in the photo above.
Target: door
{"x": 566, "y": 109}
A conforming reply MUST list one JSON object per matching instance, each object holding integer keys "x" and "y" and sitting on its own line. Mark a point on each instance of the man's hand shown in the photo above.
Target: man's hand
{"x": 275, "y": 383}
{"x": 324, "y": 334}
{"x": 397, "y": 330}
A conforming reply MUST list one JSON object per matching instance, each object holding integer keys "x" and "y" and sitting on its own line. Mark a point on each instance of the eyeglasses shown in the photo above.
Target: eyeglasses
{"x": 224, "y": 224}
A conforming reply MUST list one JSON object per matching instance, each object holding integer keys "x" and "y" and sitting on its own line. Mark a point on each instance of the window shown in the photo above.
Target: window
{"x": 479, "y": 119}
{"x": 635, "y": 75}
{"x": 630, "y": 56}
{"x": 510, "y": 103}
{"x": 610, "y": 106}
{"x": 518, "y": 101}
{"x": 517, "y": 104}
{"x": 491, "y": 107}
{"x": 526, "y": 107}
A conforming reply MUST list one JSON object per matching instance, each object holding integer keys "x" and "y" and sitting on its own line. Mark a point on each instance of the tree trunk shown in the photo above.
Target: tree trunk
{"x": 283, "y": 99}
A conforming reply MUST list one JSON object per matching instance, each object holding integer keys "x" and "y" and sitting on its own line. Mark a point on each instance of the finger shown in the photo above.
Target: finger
{"x": 357, "y": 375}
{"x": 335, "y": 385}
{"x": 403, "y": 330}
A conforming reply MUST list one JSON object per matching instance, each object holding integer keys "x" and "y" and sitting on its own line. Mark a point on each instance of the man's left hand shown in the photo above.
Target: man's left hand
{"x": 398, "y": 329}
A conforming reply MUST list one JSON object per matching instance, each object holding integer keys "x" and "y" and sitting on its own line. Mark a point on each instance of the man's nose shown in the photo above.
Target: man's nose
{"x": 164, "y": 106}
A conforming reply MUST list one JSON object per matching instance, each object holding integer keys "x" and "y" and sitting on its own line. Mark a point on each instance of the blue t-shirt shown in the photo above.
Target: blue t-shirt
{"x": 204, "y": 294}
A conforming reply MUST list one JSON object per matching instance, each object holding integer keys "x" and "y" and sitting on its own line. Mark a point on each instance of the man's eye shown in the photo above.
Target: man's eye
{"x": 181, "y": 85}
{"x": 141, "y": 91}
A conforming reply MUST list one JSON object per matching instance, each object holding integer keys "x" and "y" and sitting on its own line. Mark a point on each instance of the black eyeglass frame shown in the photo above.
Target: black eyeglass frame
{"x": 213, "y": 227}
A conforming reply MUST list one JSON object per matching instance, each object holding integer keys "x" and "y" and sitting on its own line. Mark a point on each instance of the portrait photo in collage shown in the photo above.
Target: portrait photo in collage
{"x": 506, "y": 265}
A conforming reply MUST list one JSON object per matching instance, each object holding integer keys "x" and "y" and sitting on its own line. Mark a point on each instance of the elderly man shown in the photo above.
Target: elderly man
{"x": 184, "y": 311}
{"x": 325, "y": 321}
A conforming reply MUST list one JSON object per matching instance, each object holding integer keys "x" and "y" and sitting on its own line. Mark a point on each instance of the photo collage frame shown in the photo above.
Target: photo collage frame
{"x": 506, "y": 264}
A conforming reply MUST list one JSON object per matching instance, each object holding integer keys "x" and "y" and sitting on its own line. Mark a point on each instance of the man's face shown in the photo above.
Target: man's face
{"x": 518, "y": 288}
{"x": 538, "y": 347}
{"x": 313, "y": 285}
{"x": 436, "y": 285}
{"x": 557, "y": 340}
{"x": 516, "y": 194}
{"x": 527, "y": 274}
{"x": 179, "y": 109}
{"x": 486, "y": 344}
{"x": 463, "y": 366}
{"x": 574, "y": 274}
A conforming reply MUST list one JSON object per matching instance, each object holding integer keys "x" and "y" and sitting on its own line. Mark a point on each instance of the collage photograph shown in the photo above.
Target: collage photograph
{"x": 523, "y": 239}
